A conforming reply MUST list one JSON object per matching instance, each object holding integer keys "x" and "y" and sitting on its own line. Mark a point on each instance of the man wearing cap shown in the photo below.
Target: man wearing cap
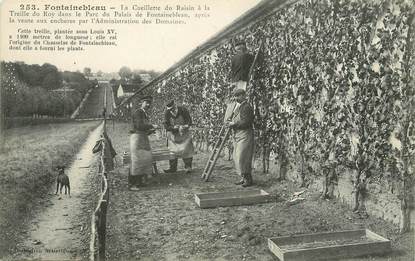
{"x": 177, "y": 122}
{"x": 141, "y": 156}
{"x": 243, "y": 139}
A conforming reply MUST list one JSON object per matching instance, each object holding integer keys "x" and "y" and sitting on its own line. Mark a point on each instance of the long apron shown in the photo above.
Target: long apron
{"x": 231, "y": 105}
{"x": 141, "y": 157}
{"x": 180, "y": 144}
{"x": 243, "y": 143}
{"x": 230, "y": 108}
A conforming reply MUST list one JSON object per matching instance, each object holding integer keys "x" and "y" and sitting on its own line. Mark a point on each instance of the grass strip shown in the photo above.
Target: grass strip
{"x": 27, "y": 171}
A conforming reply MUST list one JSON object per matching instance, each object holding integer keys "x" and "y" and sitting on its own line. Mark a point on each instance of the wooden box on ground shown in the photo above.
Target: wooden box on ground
{"x": 329, "y": 245}
{"x": 162, "y": 154}
{"x": 235, "y": 198}
{"x": 158, "y": 155}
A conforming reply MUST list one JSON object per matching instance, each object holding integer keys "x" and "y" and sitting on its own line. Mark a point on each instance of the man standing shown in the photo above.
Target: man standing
{"x": 141, "y": 156}
{"x": 177, "y": 122}
{"x": 243, "y": 140}
{"x": 240, "y": 67}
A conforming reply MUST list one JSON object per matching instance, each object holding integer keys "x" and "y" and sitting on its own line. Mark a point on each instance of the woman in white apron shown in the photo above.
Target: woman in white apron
{"x": 141, "y": 157}
{"x": 177, "y": 122}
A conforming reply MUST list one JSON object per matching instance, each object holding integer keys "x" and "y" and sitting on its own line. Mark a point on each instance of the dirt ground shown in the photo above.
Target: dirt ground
{"x": 162, "y": 221}
{"x": 61, "y": 230}
{"x": 34, "y": 222}
{"x": 59, "y": 227}
{"x": 27, "y": 176}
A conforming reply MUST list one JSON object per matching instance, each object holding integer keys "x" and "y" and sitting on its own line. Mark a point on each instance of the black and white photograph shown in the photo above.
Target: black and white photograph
{"x": 207, "y": 130}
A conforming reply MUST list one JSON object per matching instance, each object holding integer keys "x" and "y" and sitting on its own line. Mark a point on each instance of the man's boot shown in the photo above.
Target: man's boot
{"x": 135, "y": 182}
{"x": 248, "y": 180}
{"x": 188, "y": 164}
{"x": 173, "y": 166}
{"x": 144, "y": 180}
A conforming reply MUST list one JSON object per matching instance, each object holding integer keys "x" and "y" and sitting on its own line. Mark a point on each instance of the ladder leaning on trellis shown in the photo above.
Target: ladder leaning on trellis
{"x": 225, "y": 131}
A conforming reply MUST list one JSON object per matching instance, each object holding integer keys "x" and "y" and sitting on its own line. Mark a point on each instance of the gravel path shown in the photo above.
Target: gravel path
{"x": 61, "y": 230}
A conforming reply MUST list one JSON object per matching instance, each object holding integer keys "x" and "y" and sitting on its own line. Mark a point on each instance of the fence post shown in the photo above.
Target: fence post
{"x": 99, "y": 167}
{"x": 102, "y": 183}
{"x": 102, "y": 230}
{"x": 107, "y": 193}
{"x": 97, "y": 226}
{"x": 99, "y": 219}
{"x": 92, "y": 252}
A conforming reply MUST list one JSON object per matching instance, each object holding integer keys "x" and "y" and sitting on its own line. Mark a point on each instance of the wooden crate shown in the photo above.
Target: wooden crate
{"x": 158, "y": 155}
{"x": 235, "y": 198}
{"x": 162, "y": 154}
{"x": 329, "y": 245}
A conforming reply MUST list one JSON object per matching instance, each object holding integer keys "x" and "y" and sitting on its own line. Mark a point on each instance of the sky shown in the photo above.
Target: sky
{"x": 149, "y": 47}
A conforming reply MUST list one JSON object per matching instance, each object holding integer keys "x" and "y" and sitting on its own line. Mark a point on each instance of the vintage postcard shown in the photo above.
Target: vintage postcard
{"x": 207, "y": 130}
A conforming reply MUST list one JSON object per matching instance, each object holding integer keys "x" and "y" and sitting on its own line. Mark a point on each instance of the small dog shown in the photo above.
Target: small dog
{"x": 63, "y": 181}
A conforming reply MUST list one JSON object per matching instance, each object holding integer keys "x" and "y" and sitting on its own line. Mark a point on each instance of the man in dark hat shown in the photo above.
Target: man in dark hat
{"x": 243, "y": 140}
{"x": 141, "y": 156}
{"x": 240, "y": 66}
{"x": 177, "y": 122}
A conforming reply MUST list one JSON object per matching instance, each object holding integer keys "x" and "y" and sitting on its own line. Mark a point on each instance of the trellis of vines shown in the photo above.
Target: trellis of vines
{"x": 333, "y": 92}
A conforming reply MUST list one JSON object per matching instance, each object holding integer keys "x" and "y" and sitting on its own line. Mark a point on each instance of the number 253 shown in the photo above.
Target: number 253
{"x": 27, "y": 7}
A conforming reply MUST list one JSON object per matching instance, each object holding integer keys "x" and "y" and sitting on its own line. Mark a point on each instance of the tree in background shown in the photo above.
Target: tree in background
{"x": 46, "y": 76}
{"x": 125, "y": 74}
{"x": 113, "y": 81}
{"x": 153, "y": 74}
{"x": 133, "y": 76}
{"x": 52, "y": 81}
{"x": 87, "y": 71}
{"x": 28, "y": 90}
{"x": 77, "y": 81}
{"x": 136, "y": 78}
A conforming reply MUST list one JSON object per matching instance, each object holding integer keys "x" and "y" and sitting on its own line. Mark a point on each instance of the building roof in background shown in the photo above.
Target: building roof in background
{"x": 129, "y": 88}
{"x": 145, "y": 77}
{"x": 98, "y": 78}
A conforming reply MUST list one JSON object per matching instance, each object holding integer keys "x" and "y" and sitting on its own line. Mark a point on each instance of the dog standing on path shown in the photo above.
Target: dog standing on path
{"x": 63, "y": 181}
